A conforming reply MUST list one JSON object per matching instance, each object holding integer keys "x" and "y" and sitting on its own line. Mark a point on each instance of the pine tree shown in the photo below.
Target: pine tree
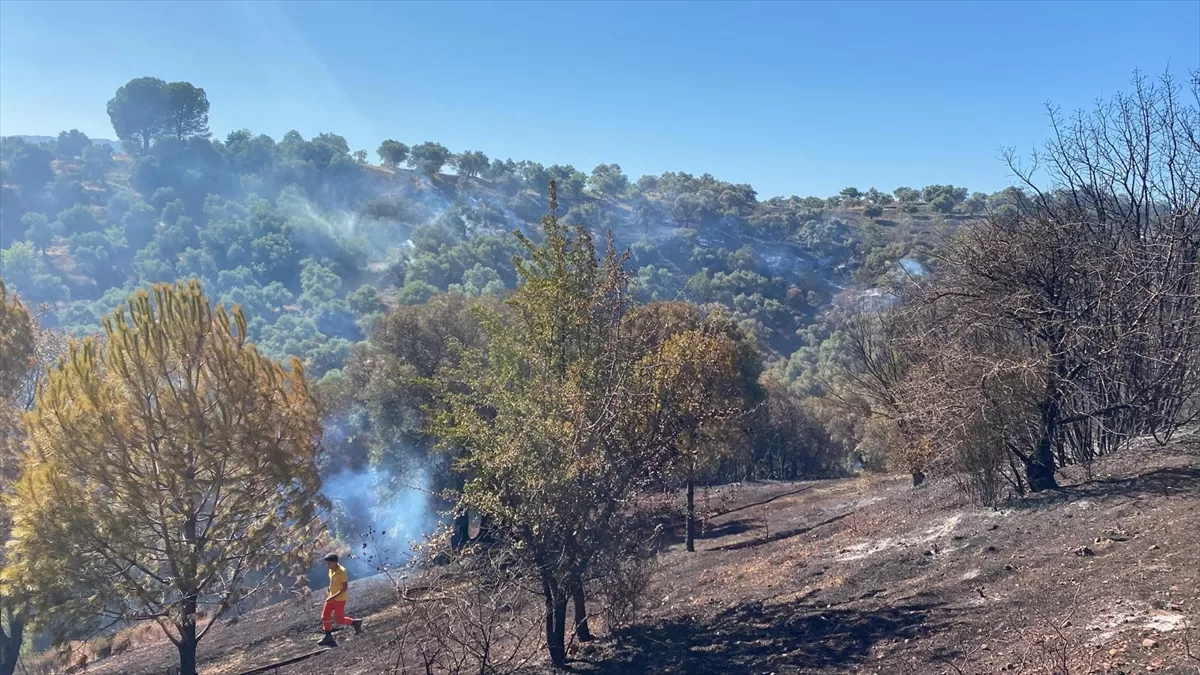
{"x": 172, "y": 472}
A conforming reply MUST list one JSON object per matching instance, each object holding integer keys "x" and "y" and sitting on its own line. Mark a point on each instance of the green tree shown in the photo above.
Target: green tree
{"x": 138, "y": 111}
{"x": 942, "y": 202}
{"x": 39, "y": 231}
{"x": 97, "y": 160}
{"x": 71, "y": 143}
{"x": 319, "y": 284}
{"x": 29, "y": 168}
{"x": 428, "y": 157}
{"x": 533, "y": 175}
{"x": 146, "y": 107}
{"x": 392, "y": 153}
{"x": 409, "y": 346}
{"x": 173, "y": 472}
{"x": 566, "y": 417}
{"x": 905, "y": 195}
{"x": 365, "y": 300}
{"x": 608, "y": 180}
{"x": 76, "y": 219}
{"x": 954, "y": 194}
{"x": 876, "y": 197}
{"x": 470, "y": 164}
{"x": 569, "y": 180}
{"x": 480, "y": 280}
{"x": 187, "y": 111}
{"x": 139, "y": 224}
{"x": 976, "y": 203}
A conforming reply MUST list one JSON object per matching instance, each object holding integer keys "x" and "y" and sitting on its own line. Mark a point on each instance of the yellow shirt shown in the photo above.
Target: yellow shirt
{"x": 337, "y": 579}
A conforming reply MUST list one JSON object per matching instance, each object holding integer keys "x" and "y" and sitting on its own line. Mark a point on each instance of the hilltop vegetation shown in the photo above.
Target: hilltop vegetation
{"x": 315, "y": 244}
{"x": 253, "y": 218}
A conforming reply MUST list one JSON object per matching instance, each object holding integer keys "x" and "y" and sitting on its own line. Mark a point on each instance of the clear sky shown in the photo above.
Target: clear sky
{"x": 802, "y": 98}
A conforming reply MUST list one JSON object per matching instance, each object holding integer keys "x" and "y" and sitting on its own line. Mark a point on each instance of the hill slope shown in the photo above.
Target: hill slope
{"x": 866, "y": 575}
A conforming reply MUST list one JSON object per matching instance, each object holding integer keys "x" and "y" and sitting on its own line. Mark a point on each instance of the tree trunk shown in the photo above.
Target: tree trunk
{"x": 1039, "y": 468}
{"x": 461, "y": 532}
{"x": 691, "y": 515}
{"x": 189, "y": 567}
{"x": 1039, "y": 473}
{"x": 579, "y": 599}
{"x": 556, "y": 622}
{"x": 187, "y": 640}
{"x": 10, "y": 645}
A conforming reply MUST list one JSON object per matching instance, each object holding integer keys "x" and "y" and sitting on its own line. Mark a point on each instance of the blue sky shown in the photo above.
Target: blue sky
{"x": 801, "y": 98}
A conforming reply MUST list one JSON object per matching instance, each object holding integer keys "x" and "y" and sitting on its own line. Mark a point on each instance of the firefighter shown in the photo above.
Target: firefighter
{"x": 334, "y": 610}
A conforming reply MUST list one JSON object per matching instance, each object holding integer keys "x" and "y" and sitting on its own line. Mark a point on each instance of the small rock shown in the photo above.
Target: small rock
{"x": 990, "y": 549}
{"x": 1084, "y": 551}
{"x": 1009, "y": 567}
{"x": 1149, "y": 643}
{"x": 1153, "y": 547}
{"x": 985, "y": 648}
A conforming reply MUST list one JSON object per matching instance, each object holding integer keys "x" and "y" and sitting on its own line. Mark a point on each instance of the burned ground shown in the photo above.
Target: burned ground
{"x": 864, "y": 575}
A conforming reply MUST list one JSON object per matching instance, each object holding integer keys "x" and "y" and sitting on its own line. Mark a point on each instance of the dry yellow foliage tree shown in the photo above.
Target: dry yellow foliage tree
{"x": 698, "y": 364}
{"x": 17, "y": 362}
{"x": 171, "y": 472}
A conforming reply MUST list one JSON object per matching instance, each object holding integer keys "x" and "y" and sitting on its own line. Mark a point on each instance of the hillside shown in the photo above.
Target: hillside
{"x": 775, "y": 264}
{"x": 916, "y": 421}
{"x": 863, "y": 575}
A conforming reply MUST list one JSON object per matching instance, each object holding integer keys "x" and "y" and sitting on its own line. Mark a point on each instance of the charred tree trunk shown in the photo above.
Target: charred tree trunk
{"x": 460, "y": 534}
{"x": 1039, "y": 467}
{"x": 691, "y": 514}
{"x": 556, "y": 621}
{"x": 582, "y": 632}
{"x": 10, "y": 645}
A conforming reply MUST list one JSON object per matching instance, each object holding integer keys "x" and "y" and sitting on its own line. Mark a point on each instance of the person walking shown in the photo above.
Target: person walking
{"x": 334, "y": 610}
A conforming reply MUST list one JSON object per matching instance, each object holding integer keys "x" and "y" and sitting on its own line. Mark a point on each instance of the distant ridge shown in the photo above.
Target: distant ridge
{"x": 115, "y": 145}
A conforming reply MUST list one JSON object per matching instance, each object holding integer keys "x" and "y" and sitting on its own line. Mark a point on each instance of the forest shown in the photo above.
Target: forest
{"x": 563, "y": 358}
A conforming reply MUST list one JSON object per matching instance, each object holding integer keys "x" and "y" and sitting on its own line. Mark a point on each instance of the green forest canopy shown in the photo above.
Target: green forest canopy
{"x": 316, "y": 244}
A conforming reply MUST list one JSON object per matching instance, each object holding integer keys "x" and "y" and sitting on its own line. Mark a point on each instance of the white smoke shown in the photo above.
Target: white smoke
{"x": 379, "y": 515}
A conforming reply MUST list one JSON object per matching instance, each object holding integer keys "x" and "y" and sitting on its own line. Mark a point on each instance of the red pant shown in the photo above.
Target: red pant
{"x": 334, "y": 610}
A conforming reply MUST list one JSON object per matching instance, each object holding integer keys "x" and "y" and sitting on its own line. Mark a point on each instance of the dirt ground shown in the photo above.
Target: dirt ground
{"x": 863, "y": 575}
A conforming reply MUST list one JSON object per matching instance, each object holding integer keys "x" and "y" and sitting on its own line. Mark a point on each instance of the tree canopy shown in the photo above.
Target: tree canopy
{"x": 147, "y": 107}
{"x": 172, "y": 471}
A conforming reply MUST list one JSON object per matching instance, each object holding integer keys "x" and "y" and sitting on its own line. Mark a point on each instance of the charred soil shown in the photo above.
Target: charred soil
{"x": 862, "y": 575}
